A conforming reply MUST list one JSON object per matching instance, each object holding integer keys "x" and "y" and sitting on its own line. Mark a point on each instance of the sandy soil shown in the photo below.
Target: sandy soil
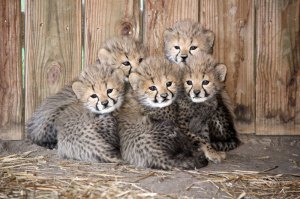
{"x": 272, "y": 154}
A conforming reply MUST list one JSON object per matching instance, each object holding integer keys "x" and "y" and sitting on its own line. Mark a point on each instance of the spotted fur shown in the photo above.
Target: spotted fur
{"x": 179, "y": 113}
{"x": 40, "y": 128}
{"x": 154, "y": 143}
{"x": 79, "y": 118}
{"x": 86, "y": 129}
{"x": 118, "y": 52}
{"x": 205, "y": 105}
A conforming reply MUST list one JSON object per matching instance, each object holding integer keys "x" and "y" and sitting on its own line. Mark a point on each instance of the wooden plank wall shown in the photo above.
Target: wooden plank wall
{"x": 233, "y": 23}
{"x": 53, "y": 48}
{"x": 259, "y": 41}
{"x": 160, "y": 14}
{"x": 11, "y": 104}
{"x": 105, "y": 19}
{"x": 278, "y": 67}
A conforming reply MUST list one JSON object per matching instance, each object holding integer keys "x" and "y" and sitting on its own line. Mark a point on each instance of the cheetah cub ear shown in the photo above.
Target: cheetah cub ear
{"x": 221, "y": 71}
{"x": 103, "y": 54}
{"x": 79, "y": 89}
{"x": 134, "y": 80}
{"x": 168, "y": 32}
{"x": 119, "y": 74}
{"x": 210, "y": 37}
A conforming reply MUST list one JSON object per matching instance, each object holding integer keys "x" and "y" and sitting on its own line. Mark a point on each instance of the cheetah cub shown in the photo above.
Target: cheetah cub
{"x": 154, "y": 143}
{"x": 87, "y": 130}
{"x": 122, "y": 52}
{"x": 186, "y": 39}
{"x": 119, "y": 52}
{"x": 206, "y": 109}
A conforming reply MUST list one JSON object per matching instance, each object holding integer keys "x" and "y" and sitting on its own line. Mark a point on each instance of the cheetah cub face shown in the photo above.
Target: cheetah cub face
{"x": 185, "y": 40}
{"x": 122, "y": 52}
{"x": 155, "y": 82}
{"x": 203, "y": 78}
{"x": 100, "y": 88}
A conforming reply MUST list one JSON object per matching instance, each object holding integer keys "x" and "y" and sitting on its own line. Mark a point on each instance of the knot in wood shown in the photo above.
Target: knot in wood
{"x": 53, "y": 73}
{"x": 126, "y": 28}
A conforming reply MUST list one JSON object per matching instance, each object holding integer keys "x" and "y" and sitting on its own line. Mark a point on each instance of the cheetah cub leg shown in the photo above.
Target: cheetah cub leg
{"x": 210, "y": 153}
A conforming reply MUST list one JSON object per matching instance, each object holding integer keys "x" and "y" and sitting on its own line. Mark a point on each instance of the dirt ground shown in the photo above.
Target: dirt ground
{"x": 266, "y": 160}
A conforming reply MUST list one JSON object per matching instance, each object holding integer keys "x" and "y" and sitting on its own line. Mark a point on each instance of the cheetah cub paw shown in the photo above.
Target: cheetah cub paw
{"x": 213, "y": 155}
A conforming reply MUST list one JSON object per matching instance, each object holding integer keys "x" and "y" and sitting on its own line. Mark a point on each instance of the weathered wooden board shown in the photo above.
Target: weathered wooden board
{"x": 233, "y": 23}
{"x": 11, "y": 104}
{"x": 53, "y": 48}
{"x": 160, "y": 14}
{"x": 259, "y": 41}
{"x": 278, "y": 67}
{"x": 108, "y": 18}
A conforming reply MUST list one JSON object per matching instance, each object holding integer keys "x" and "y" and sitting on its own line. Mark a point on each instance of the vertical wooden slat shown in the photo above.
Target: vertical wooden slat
{"x": 278, "y": 67}
{"x": 160, "y": 14}
{"x": 107, "y": 18}
{"x": 233, "y": 23}
{"x": 11, "y": 126}
{"x": 53, "y": 48}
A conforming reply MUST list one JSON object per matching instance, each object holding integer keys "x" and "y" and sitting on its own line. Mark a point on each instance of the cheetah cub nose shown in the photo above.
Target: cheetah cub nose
{"x": 197, "y": 92}
{"x": 184, "y": 57}
{"x": 104, "y": 103}
{"x": 164, "y": 95}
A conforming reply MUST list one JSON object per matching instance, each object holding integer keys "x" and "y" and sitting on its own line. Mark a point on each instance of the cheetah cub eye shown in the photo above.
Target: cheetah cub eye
{"x": 100, "y": 88}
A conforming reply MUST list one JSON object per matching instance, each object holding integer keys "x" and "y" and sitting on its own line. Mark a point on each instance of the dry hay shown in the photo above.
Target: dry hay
{"x": 27, "y": 176}
{"x": 22, "y": 176}
{"x": 251, "y": 184}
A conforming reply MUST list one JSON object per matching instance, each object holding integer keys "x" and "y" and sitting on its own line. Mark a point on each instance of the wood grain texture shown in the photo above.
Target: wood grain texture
{"x": 278, "y": 67}
{"x": 233, "y": 23}
{"x": 11, "y": 104}
{"x": 53, "y": 48}
{"x": 108, "y": 18}
{"x": 160, "y": 14}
